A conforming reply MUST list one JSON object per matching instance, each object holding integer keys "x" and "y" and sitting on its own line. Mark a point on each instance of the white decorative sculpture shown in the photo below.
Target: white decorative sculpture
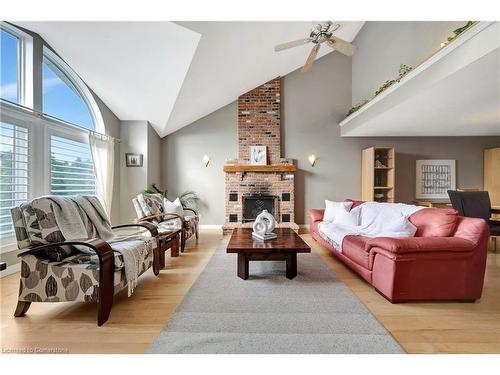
{"x": 263, "y": 226}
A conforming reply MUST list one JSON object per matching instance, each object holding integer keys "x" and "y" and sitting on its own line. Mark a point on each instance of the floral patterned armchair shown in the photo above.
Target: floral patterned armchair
{"x": 55, "y": 270}
{"x": 151, "y": 208}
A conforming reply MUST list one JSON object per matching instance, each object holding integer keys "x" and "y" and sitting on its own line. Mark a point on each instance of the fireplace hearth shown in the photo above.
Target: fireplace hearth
{"x": 255, "y": 204}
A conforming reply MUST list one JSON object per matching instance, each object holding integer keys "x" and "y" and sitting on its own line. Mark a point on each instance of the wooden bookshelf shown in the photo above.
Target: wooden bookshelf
{"x": 492, "y": 174}
{"x": 377, "y": 174}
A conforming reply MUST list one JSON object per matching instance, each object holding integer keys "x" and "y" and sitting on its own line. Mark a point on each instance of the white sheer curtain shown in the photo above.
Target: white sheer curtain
{"x": 103, "y": 154}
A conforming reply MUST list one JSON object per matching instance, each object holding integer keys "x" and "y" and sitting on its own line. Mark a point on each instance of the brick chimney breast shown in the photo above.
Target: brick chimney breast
{"x": 259, "y": 124}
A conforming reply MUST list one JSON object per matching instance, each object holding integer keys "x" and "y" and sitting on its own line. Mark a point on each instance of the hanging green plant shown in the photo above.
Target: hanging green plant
{"x": 356, "y": 107}
{"x": 460, "y": 30}
{"x": 405, "y": 69}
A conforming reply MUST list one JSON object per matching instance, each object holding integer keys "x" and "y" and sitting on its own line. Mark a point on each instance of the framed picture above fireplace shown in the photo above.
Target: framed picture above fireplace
{"x": 258, "y": 155}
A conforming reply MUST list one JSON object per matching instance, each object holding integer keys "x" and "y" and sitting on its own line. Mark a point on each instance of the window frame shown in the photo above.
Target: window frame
{"x": 21, "y": 120}
{"x": 62, "y": 131}
{"x": 42, "y": 127}
{"x": 81, "y": 88}
{"x": 24, "y": 65}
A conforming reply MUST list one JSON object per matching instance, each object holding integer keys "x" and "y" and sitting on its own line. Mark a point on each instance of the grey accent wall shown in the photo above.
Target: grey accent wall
{"x": 312, "y": 105}
{"x": 182, "y": 166}
{"x": 384, "y": 45}
{"x": 154, "y": 150}
{"x": 134, "y": 139}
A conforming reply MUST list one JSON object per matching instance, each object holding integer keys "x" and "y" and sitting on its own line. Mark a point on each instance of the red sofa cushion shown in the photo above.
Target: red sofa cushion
{"x": 421, "y": 244}
{"x": 354, "y": 248}
{"x": 355, "y": 203}
{"x": 434, "y": 222}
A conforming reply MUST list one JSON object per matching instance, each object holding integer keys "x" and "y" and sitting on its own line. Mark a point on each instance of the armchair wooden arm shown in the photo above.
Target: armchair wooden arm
{"x": 153, "y": 230}
{"x": 106, "y": 274}
{"x": 166, "y": 216}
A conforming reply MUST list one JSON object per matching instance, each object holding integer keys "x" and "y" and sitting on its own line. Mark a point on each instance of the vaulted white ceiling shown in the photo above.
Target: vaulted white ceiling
{"x": 235, "y": 57}
{"x": 172, "y": 74}
{"x": 136, "y": 68}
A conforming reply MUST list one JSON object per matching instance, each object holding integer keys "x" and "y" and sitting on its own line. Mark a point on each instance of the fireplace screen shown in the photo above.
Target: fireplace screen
{"x": 254, "y": 204}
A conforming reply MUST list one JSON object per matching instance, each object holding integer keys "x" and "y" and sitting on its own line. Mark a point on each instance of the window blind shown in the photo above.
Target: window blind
{"x": 14, "y": 172}
{"x": 71, "y": 167}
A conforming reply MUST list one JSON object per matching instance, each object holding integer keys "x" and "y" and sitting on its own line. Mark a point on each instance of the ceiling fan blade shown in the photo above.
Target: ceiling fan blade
{"x": 311, "y": 58}
{"x": 341, "y": 45}
{"x": 295, "y": 43}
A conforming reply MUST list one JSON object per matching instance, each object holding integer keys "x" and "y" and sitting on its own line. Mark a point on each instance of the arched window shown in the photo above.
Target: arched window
{"x": 65, "y": 96}
{"x": 9, "y": 72}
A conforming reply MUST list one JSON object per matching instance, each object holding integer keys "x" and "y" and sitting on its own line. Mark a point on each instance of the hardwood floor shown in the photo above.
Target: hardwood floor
{"x": 443, "y": 327}
{"x": 135, "y": 321}
{"x": 133, "y": 324}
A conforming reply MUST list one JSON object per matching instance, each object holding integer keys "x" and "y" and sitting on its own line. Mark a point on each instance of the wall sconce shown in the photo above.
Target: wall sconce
{"x": 206, "y": 160}
{"x": 312, "y": 159}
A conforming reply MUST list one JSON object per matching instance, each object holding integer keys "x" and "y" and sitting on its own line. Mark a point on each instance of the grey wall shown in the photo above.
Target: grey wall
{"x": 384, "y": 45}
{"x": 312, "y": 106}
{"x": 183, "y": 169}
{"x": 137, "y": 137}
{"x": 154, "y": 150}
{"x": 134, "y": 139}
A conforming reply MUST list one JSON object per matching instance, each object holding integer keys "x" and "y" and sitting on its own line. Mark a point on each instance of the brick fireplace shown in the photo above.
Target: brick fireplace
{"x": 259, "y": 124}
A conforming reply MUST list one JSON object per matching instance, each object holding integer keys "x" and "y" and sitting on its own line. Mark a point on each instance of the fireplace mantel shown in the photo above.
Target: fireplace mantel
{"x": 260, "y": 168}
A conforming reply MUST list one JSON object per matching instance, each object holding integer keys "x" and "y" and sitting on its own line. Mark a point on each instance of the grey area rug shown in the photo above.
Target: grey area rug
{"x": 313, "y": 313}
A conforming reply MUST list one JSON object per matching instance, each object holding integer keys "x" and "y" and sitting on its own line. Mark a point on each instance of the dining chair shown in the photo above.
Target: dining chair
{"x": 475, "y": 204}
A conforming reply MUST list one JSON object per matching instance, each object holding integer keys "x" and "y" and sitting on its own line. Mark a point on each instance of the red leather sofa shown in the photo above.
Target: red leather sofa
{"x": 446, "y": 259}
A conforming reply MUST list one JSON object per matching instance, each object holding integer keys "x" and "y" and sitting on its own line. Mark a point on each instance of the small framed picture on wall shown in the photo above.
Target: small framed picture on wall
{"x": 435, "y": 178}
{"x": 133, "y": 160}
{"x": 258, "y": 155}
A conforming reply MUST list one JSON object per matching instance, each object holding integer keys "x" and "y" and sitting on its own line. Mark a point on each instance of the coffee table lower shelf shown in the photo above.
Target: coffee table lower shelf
{"x": 245, "y": 258}
{"x": 283, "y": 248}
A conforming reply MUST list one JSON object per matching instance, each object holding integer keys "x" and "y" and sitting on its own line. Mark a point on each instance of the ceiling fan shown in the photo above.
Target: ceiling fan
{"x": 321, "y": 32}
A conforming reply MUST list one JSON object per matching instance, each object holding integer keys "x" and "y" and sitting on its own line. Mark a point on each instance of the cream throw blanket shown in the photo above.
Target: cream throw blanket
{"x": 376, "y": 220}
{"x": 73, "y": 213}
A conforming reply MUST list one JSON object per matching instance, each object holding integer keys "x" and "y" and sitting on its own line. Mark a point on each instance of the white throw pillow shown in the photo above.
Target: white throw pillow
{"x": 398, "y": 227}
{"x": 174, "y": 207}
{"x": 347, "y": 218}
{"x": 332, "y": 209}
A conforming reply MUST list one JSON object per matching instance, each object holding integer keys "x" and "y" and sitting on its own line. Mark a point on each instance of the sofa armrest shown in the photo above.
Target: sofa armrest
{"x": 316, "y": 214}
{"x": 420, "y": 244}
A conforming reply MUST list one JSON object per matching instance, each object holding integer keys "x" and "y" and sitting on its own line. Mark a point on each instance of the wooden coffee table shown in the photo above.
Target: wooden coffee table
{"x": 285, "y": 247}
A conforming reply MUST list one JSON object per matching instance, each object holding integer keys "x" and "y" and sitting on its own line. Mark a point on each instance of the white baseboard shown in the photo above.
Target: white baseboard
{"x": 10, "y": 270}
{"x": 210, "y": 226}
